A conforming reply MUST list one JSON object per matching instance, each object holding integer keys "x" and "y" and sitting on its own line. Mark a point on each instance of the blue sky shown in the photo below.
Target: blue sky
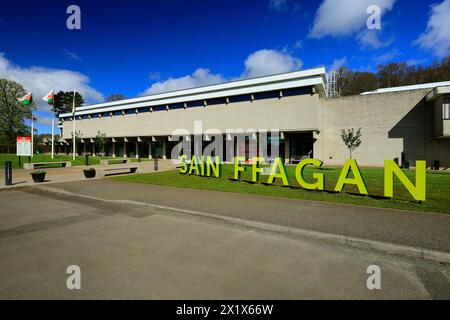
{"x": 143, "y": 47}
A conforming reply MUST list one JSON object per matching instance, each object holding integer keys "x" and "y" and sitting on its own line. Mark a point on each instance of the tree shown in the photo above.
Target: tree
{"x": 351, "y": 139}
{"x": 352, "y": 83}
{"x": 100, "y": 141}
{"x": 78, "y": 136}
{"x": 63, "y": 102}
{"x": 12, "y": 113}
{"x": 395, "y": 74}
{"x": 391, "y": 75}
{"x": 116, "y": 97}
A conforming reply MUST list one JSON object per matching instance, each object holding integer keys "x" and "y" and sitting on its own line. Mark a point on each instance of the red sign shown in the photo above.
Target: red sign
{"x": 23, "y": 146}
{"x": 23, "y": 139}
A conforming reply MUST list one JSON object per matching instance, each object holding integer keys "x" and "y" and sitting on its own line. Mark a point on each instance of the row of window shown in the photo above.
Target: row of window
{"x": 446, "y": 110}
{"x": 199, "y": 103}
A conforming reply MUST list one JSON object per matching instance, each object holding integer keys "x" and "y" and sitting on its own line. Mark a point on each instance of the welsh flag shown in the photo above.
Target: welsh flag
{"x": 26, "y": 99}
{"x": 49, "y": 97}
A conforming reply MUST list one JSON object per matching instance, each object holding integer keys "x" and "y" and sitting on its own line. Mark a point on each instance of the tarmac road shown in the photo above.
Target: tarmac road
{"x": 409, "y": 228}
{"x": 128, "y": 252}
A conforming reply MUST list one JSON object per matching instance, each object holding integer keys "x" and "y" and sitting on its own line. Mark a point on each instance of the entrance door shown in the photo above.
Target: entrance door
{"x": 300, "y": 146}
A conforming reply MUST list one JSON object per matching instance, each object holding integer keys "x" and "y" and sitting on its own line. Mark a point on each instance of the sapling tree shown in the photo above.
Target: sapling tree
{"x": 100, "y": 141}
{"x": 351, "y": 139}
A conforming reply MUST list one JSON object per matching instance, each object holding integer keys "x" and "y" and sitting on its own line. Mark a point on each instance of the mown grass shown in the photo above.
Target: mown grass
{"x": 438, "y": 186}
{"x": 79, "y": 160}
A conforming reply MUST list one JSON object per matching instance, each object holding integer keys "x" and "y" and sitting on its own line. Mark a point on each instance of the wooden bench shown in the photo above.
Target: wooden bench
{"x": 116, "y": 169}
{"x": 114, "y": 161}
{"x": 35, "y": 165}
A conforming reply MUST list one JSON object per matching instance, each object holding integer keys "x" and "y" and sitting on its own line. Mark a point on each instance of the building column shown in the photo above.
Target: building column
{"x": 84, "y": 148}
{"x": 150, "y": 149}
{"x": 113, "y": 149}
{"x": 164, "y": 148}
{"x": 287, "y": 153}
{"x": 93, "y": 149}
{"x": 137, "y": 149}
{"x": 124, "y": 149}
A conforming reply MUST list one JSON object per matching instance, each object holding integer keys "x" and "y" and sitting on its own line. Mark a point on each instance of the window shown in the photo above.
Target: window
{"x": 446, "y": 109}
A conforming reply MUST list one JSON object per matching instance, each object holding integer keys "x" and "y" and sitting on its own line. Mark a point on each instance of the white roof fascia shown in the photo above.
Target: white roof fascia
{"x": 406, "y": 88}
{"x": 304, "y": 82}
{"x": 319, "y": 71}
{"x": 438, "y": 92}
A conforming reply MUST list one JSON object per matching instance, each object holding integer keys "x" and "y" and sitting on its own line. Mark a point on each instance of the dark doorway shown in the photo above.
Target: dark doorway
{"x": 300, "y": 146}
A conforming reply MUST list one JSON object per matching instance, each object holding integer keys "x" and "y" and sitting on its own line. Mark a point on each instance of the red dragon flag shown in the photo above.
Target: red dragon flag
{"x": 49, "y": 97}
{"x": 26, "y": 99}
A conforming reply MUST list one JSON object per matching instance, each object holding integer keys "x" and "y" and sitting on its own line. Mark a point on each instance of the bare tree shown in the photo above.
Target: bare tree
{"x": 116, "y": 97}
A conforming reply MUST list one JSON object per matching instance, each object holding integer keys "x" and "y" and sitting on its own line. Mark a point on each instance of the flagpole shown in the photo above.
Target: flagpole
{"x": 53, "y": 135}
{"x": 32, "y": 135}
{"x": 74, "y": 137}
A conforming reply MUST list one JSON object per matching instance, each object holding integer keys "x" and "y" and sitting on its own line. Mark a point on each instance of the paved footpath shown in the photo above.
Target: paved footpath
{"x": 409, "y": 228}
{"x": 22, "y": 177}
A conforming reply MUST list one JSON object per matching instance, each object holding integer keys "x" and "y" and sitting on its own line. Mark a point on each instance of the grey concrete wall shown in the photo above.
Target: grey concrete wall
{"x": 287, "y": 113}
{"x": 437, "y": 113}
{"x": 391, "y": 123}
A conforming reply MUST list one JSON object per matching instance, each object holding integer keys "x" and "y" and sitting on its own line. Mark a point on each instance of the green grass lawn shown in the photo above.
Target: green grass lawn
{"x": 438, "y": 186}
{"x": 79, "y": 161}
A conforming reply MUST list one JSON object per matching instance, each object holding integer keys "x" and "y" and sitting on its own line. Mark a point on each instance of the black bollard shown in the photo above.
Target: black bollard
{"x": 8, "y": 173}
{"x": 155, "y": 164}
{"x": 436, "y": 165}
{"x": 86, "y": 159}
{"x": 406, "y": 165}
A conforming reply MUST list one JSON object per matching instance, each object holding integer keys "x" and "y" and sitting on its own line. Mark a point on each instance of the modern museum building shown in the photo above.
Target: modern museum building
{"x": 405, "y": 123}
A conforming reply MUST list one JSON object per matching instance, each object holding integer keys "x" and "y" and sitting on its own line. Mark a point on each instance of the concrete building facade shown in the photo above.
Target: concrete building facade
{"x": 409, "y": 123}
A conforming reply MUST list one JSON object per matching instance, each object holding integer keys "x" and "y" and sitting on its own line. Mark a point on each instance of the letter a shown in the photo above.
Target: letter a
{"x": 74, "y": 280}
{"x": 74, "y": 20}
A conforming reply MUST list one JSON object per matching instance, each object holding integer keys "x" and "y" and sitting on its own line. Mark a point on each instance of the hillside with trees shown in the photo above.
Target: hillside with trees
{"x": 393, "y": 74}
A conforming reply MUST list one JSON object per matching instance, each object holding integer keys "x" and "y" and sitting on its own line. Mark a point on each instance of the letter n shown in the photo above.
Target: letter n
{"x": 418, "y": 191}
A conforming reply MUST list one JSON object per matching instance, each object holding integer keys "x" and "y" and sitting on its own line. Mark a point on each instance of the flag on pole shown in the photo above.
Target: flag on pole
{"x": 49, "y": 97}
{"x": 26, "y": 99}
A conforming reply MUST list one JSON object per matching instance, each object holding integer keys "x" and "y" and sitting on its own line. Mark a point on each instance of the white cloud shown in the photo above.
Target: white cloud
{"x": 201, "y": 77}
{"x": 46, "y": 121}
{"x": 298, "y": 44}
{"x": 387, "y": 57}
{"x": 343, "y": 18}
{"x": 40, "y": 80}
{"x": 71, "y": 55}
{"x": 265, "y": 62}
{"x": 416, "y": 62}
{"x": 278, "y": 5}
{"x": 437, "y": 35}
{"x": 259, "y": 63}
{"x": 337, "y": 63}
{"x": 369, "y": 39}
